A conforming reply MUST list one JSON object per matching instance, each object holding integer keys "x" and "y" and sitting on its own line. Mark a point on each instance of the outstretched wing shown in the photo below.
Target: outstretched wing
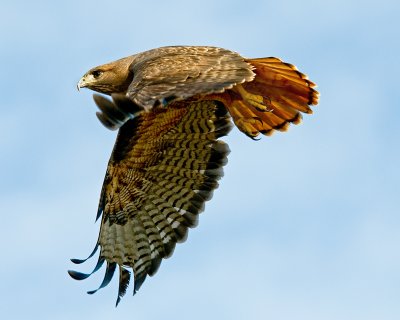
{"x": 164, "y": 166}
{"x": 182, "y": 72}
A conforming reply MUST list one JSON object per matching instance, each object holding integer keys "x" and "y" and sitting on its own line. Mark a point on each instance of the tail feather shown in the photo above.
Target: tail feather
{"x": 285, "y": 111}
{"x": 283, "y": 68}
{"x": 273, "y": 120}
{"x": 285, "y": 75}
{"x": 275, "y": 98}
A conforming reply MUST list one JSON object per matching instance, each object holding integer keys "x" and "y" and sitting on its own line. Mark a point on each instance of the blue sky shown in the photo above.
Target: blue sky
{"x": 305, "y": 225}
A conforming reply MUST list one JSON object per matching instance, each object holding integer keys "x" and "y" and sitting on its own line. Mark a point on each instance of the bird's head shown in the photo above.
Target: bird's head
{"x": 109, "y": 78}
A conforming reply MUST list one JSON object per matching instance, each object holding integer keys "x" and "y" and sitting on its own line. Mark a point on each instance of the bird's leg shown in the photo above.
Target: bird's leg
{"x": 257, "y": 101}
{"x": 249, "y": 125}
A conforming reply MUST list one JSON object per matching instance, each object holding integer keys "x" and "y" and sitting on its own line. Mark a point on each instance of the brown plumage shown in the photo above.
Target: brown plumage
{"x": 171, "y": 105}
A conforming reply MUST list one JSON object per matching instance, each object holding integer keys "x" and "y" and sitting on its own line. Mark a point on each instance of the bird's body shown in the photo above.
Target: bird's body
{"x": 171, "y": 106}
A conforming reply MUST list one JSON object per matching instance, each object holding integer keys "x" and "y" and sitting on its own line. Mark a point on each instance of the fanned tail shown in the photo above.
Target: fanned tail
{"x": 274, "y": 99}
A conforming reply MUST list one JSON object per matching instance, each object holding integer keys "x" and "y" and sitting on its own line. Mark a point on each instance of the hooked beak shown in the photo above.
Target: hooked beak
{"x": 81, "y": 83}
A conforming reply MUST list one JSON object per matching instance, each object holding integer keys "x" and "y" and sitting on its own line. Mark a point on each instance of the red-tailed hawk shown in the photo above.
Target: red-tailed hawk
{"x": 171, "y": 106}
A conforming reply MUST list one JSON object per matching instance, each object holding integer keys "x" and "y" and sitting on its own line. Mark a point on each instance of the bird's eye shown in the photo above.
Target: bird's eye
{"x": 96, "y": 73}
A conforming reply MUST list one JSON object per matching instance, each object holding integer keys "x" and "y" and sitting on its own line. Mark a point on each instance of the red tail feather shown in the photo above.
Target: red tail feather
{"x": 275, "y": 97}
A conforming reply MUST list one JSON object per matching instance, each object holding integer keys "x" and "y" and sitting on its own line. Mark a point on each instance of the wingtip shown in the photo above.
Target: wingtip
{"x": 138, "y": 283}
{"x": 78, "y": 275}
{"x": 107, "y": 277}
{"x": 77, "y": 261}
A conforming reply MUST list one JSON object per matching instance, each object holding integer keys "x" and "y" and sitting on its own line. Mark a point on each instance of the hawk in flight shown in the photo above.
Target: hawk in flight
{"x": 171, "y": 105}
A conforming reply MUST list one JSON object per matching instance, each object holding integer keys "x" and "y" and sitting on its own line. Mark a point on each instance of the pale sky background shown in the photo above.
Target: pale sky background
{"x": 305, "y": 224}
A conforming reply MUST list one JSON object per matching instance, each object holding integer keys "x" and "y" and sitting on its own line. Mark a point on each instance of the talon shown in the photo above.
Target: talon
{"x": 258, "y": 119}
{"x": 257, "y": 101}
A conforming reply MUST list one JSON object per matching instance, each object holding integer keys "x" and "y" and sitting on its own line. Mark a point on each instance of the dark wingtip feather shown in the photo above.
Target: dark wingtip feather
{"x": 126, "y": 105}
{"x": 139, "y": 279}
{"x": 155, "y": 265}
{"x": 181, "y": 233}
{"x": 107, "y": 122}
{"x": 223, "y": 126}
{"x": 107, "y": 277}
{"x": 109, "y": 108}
{"x": 124, "y": 279}
{"x": 78, "y": 275}
{"x": 99, "y": 211}
{"x": 221, "y": 110}
{"x": 169, "y": 248}
{"x": 81, "y": 276}
{"x": 79, "y": 261}
{"x": 221, "y": 147}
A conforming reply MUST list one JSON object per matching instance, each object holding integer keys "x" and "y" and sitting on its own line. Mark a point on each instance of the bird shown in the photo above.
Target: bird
{"x": 171, "y": 105}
